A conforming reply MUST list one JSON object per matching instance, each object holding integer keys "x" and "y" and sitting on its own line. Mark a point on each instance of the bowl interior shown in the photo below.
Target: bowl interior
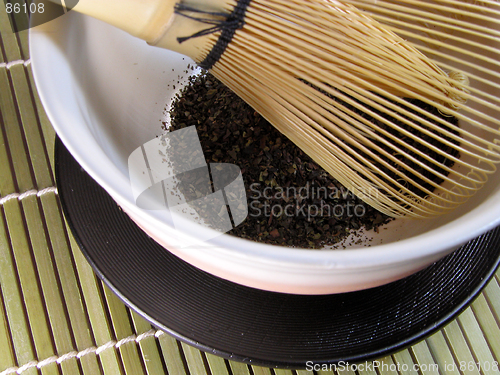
{"x": 107, "y": 93}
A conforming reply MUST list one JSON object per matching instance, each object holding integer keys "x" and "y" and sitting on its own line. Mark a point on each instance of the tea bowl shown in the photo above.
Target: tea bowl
{"x": 107, "y": 94}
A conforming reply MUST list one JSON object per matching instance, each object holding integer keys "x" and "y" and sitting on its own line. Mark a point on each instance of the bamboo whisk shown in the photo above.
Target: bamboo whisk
{"x": 320, "y": 71}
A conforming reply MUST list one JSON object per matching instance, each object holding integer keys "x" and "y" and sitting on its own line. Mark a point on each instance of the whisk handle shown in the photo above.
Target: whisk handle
{"x": 145, "y": 19}
{"x": 156, "y": 21}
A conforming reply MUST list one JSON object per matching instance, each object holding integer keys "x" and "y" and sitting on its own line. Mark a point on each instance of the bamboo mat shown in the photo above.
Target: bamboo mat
{"x": 56, "y": 317}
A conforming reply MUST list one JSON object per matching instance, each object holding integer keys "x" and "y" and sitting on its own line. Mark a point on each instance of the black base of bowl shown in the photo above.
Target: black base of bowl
{"x": 260, "y": 327}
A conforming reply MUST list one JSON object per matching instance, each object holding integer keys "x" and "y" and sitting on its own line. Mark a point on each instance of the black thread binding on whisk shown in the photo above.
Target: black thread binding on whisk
{"x": 228, "y": 24}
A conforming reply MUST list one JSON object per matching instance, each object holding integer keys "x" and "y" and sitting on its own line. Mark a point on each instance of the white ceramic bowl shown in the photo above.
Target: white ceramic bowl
{"x": 105, "y": 93}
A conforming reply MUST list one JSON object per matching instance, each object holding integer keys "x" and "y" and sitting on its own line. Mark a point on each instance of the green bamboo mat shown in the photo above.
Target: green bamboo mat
{"x": 56, "y": 317}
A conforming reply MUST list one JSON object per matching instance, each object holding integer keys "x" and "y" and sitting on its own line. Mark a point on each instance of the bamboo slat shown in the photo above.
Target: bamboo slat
{"x": 239, "y": 368}
{"x": 492, "y": 294}
{"x": 119, "y": 317}
{"x": 26, "y": 272}
{"x": 477, "y": 343}
{"x": 424, "y": 358}
{"x": 48, "y": 132}
{"x": 148, "y": 347}
{"x": 458, "y": 345}
{"x": 23, "y": 43}
{"x": 325, "y": 372}
{"x": 302, "y": 372}
{"x": 10, "y": 110}
{"x": 57, "y": 318}
{"x": 7, "y": 355}
{"x": 7, "y": 183}
{"x": 194, "y": 358}
{"x": 9, "y": 40}
{"x": 343, "y": 372}
{"x": 69, "y": 283}
{"x": 290, "y": 372}
{"x": 18, "y": 158}
{"x": 404, "y": 357}
{"x": 366, "y": 370}
{"x": 257, "y": 370}
{"x": 49, "y": 285}
{"x": 31, "y": 128}
{"x": 389, "y": 366}
{"x": 173, "y": 355}
{"x": 442, "y": 355}
{"x": 217, "y": 365}
{"x": 488, "y": 325}
{"x": 94, "y": 305}
{"x": 18, "y": 324}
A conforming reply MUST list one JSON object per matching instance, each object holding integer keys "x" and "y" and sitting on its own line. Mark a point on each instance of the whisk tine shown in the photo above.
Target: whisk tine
{"x": 345, "y": 142}
{"x": 447, "y": 11}
{"x": 297, "y": 73}
{"x": 344, "y": 133}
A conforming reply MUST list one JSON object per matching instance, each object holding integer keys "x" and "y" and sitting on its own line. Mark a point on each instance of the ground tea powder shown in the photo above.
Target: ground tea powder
{"x": 291, "y": 200}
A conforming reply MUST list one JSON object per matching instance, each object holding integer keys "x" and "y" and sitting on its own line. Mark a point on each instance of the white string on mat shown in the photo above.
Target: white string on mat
{"x": 29, "y": 193}
{"x": 10, "y": 64}
{"x": 82, "y": 353}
